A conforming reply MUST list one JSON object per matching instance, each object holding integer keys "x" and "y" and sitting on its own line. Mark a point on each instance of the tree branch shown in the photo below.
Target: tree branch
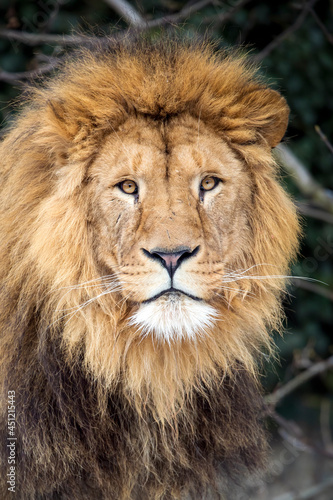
{"x": 321, "y": 25}
{"x": 285, "y": 34}
{"x": 308, "y": 494}
{"x": 40, "y": 38}
{"x": 33, "y": 39}
{"x": 302, "y": 178}
{"x": 127, "y": 12}
{"x": 294, "y": 435}
{"x": 223, "y": 17}
{"x": 325, "y": 425}
{"x": 179, "y": 16}
{"x": 28, "y": 75}
{"x": 315, "y": 213}
{"x": 293, "y": 384}
{"x": 323, "y": 138}
{"x": 313, "y": 287}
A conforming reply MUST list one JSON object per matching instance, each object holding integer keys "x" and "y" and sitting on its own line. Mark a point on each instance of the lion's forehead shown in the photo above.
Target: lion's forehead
{"x": 183, "y": 147}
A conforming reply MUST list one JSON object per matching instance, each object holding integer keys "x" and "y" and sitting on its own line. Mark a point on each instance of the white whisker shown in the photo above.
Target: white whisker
{"x": 269, "y": 276}
{"x": 83, "y": 285}
{"x": 239, "y": 272}
{"x": 92, "y": 299}
{"x": 78, "y": 308}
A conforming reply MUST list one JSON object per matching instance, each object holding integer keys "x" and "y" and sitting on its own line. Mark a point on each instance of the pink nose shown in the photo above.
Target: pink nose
{"x": 171, "y": 260}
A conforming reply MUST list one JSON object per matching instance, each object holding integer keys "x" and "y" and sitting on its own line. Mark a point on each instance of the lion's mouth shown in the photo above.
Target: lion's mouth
{"x": 173, "y": 293}
{"x": 175, "y": 316}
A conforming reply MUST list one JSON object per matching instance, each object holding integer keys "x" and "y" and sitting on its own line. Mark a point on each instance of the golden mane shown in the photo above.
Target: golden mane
{"x": 80, "y": 360}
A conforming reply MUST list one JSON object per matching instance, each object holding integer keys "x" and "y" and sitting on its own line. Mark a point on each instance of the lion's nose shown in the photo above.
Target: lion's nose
{"x": 172, "y": 259}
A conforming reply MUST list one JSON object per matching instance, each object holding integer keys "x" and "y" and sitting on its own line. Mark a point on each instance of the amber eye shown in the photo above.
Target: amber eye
{"x": 128, "y": 187}
{"x": 209, "y": 183}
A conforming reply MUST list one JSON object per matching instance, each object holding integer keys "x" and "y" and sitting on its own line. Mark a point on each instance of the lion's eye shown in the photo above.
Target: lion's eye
{"x": 209, "y": 183}
{"x": 128, "y": 187}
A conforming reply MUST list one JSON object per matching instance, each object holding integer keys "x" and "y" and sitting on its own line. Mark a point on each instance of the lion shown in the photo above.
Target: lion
{"x": 145, "y": 244}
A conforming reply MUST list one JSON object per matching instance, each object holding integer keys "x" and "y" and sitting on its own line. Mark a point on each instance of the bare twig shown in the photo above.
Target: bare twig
{"x": 309, "y": 493}
{"x": 294, "y": 435}
{"x": 223, "y": 17}
{"x": 325, "y": 428}
{"x": 322, "y": 26}
{"x": 179, "y": 16}
{"x": 128, "y": 12}
{"x": 315, "y": 213}
{"x": 323, "y": 138}
{"x": 293, "y": 384}
{"x": 302, "y": 178}
{"x": 28, "y": 75}
{"x": 286, "y": 33}
{"x": 313, "y": 287}
{"x": 41, "y": 38}
{"x": 34, "y": 39}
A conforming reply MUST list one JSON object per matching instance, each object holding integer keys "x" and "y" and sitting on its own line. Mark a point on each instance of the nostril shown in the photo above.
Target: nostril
{"x": 172, "y": 259}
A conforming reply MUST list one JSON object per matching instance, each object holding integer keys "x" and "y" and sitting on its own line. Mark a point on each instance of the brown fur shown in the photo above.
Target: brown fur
{"x": 102, "y": 411}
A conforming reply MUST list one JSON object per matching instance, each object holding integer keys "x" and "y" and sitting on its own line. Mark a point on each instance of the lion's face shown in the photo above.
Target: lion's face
{"x": 170, "y": 206}
{"x": 144, "y": 227}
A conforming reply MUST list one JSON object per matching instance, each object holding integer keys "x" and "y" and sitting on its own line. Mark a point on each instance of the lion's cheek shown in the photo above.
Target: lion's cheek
{"x": 229, "y": 235}
{"x": 194, "y": 281}
{"x": 114, "y": 239}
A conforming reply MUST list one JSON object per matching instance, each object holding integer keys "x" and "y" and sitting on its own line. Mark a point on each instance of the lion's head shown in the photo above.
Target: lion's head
{"x": 145, "y": 232}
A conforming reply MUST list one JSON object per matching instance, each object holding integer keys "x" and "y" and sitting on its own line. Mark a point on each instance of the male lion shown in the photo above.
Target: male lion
{"x": 144, "y": 244}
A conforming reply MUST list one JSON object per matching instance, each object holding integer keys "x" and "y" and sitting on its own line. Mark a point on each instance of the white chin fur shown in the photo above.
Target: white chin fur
{"x": 174, "y": 317}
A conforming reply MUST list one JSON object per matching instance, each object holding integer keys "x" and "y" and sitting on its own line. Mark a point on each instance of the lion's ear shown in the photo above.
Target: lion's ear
{"x": 268, "y": 112}
{"x": 59, "y": 118}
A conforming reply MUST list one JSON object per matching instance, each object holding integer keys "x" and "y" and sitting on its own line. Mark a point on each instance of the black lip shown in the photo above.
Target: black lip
{"x": 170, "y": 290}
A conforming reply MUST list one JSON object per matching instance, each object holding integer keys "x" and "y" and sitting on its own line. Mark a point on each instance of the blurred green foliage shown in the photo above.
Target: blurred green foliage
{"x": 301, "y": 67}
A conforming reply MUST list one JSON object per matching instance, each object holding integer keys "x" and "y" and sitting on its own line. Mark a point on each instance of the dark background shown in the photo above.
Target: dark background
{"x": 293, "y": 42}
